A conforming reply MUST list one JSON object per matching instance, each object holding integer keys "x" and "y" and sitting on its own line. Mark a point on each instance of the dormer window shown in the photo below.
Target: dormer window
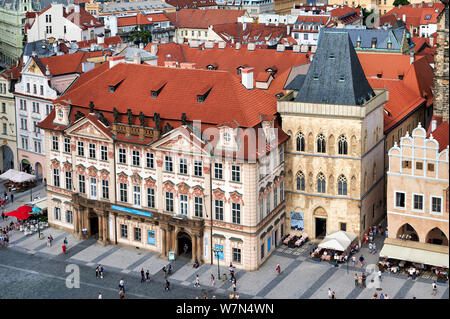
{"x": 113, "y": 87}
{"x": 341, "y": 78}
{"x": 400, "y": 76}
{"x": 202, "y": 97}
{"x": 379, "y": 75}
{"x": 227, "y": 137}
{"x": 331, "y": 56}
{"x": 374, "y": 43}
{"x": 315, "y": 77}
{"x": 157, "y": 89}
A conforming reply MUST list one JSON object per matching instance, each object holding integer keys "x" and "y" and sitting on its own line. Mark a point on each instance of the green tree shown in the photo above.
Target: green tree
{"x": 400, "y": 2}
{"x": 138, "y": 36}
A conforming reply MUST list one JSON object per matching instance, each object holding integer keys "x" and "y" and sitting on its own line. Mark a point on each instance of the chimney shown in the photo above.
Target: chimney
{"x": 433, "y": 125}
{"x": 280, "y": 47}
{"x": 431, "y": 40}
{"x": 288, "y": 29}
{"x": 193, "y": 44}
{"x": 114, "y": 60}
{"x": 100, "y": 39}
{"x": 413, "y": 5}
{"x": 238, "y": 45}
{"x": 170, "y": 64}
{"x": 154, "y": 49}
{"x": 251, "y": 47}
{"x": 247, "y": 78}
{"x": 222, "y": 45}
{"x": 76, "y": 8}
{"x": 404, "y": 17}
{"x": 296, "y": 48}
{"x": 87, "y": 66}
{"x": 209, "y": 45}
{"x": 411, "y": 57}
{"x": 244, "y": 26}
{"x": 187, "y": 65}
{"x": 137, "y": 58}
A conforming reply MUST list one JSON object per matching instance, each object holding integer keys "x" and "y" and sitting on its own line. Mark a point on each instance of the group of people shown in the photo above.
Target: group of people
{"x": 331, "y": 294}
{"x": 360, "y": 280}
{"x": 4, "y": 236}
{"x": 381, "y": 296}
{"x": 99, "y": 272}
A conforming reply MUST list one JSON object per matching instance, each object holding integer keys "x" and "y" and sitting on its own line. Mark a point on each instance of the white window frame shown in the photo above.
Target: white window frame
{"x": 93, "y": 187}
{"x": 395, "y": 200}
{"x": 431, "y": 205}
{"x": 103, "y": 153}
{"x": 184, "y": 204}
{"x": 171, "y": 200}
{"x": 135, "y": 154}
{"x": 137, "y": 195}
{"x": 198, "y": 206}
{"x": 168, "y": 160}
{"x": 122, "y": 156}
{"x": 423, "y": 203}
{"x": 236, "y": 172}
{"x": 149, "y": 160}
{"x": 183, "y": 166}
{"x": 198, "y": 168}
{"x": 80, "y": 146}
{"x": 92, "y": 151}
{"x": 66, "y": 145}
{"x": 218, "y": 170}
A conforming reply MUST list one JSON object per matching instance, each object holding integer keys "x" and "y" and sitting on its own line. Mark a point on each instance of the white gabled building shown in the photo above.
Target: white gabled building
{"x": 71, "y": 23}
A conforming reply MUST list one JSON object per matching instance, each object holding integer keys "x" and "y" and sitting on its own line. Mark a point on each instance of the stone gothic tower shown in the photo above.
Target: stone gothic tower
{"x": 441, "y": 74}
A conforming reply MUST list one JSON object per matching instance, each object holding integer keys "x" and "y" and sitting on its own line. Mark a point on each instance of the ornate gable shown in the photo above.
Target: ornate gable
{"x": 181, "y": 140}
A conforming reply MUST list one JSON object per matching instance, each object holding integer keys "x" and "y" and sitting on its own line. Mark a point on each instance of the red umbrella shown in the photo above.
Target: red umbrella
{"x": 24, "y": 209}
{"x": 18, "y": 215}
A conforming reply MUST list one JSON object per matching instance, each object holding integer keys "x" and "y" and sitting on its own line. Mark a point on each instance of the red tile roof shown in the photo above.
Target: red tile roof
{"x": 191, "y": 4}
{"x": 82, "y": 19}
{"x": 202, "y": 19}
{"x": 67, "y": 63}
{"x": 141, "y": 19}
{"x": 420, "y": 79}
{"x": 107, "y": 42}
{"x": 180, "y": 92}
{"x": 252, "y": 33}
{"x": 441, "y": 134}
{"x": 229, "y": 59}
{"x": 402, "y": 101}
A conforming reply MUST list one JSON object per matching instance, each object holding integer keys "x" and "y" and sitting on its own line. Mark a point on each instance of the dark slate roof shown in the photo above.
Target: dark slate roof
{"x": 42, "y": 49}
{"x": 382, "y": 36}
{"x": 36, "y": 5}
{"x": 335, "y": 75}
{"x": 296, "y": 83}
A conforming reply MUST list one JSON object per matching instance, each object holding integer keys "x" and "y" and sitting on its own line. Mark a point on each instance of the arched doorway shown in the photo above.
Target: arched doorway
{"x": 38, "y": 170}
{"x": 7, "y": 157}
{"x": 93, "y": 225}
{"x": 320, "y": 221}
{"x": 26, "y": 166}
{"x": 184, "y": 244}
{"x": 436, "y": 237}
{"x": 407, "y": 232}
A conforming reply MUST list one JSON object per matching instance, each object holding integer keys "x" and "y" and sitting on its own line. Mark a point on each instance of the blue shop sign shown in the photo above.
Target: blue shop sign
{"x": 130, "y": 210}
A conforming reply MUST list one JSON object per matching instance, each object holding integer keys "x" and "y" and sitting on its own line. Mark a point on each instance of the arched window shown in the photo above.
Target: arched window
{"x": 321, "y": 143}
{"x": 300, "y": 181}
{"x": 320, "y": 183}
{"x": 342, "y": 145}
{"x": 342, "y": 185}
{"x": 300, "y": 142}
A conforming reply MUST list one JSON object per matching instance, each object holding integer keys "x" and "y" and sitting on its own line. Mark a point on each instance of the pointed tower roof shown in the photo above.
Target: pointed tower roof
{"x": 335, "y": 75}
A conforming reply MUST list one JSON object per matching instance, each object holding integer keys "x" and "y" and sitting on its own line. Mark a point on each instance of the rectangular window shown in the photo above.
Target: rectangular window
{"x": 136, "y": 158}
{"x": 406, "y": 164}
{"x": 55, "y": 144}
{"x": 198, "y": 168}
{"x": 5, "y": 128}
{"x": 149, "y": 160}
{"x": 3, "y": 107}
{"x": 37, "y": 146}
{"x": 137, "y": 195}
{"x": 219, "y": 209}
{"x": 56, "y": 177}
{"x": 57, "y": 213}
{"x": 262, "y": 251}
{"x": 261, "y": 209}
{"x": 236, "y": 255}
{"x": 151, "y": 237}
{"x": 183, "y": 166}
{"x": 137, "y": 234}
{"x": 123, "y": 192}
{"x": 198, "y": 206}
{"x": 36, "y": 129}
{"x": 275, "y": 197}
{"x": 28, "y": 87}
{"x": 93, "y": 185}
{"x": 69, "y": 217}
{"x": 42, "y": 90}
{"x": 236, "y": 213}
{"x": 436, "y": 205}
{"x": 218, "y": 172}
{"x": 69, "y": 181}
{"x": 268, "y": 203}
{"x": 431, "y": 167}
{"x": 169, "y": 201}
{"x": 183, "y": 204}
{"x": 418, "y": 202}
{"x": 343, "y": 226}
{"x": 67, "y": 145}
{"x": 168, "y": 164}
{"x": 91, "y": 150}
{"x": 48, "y": 109}
{"x": 281, "y": 191}
{"x": 419, "y": 165}
{"x": 123, "y": 231}
{"x": 105, "y": 189}
{"x": 399, "y": 200}
{"x": 24, "y": 142}
{"x": 122, "y": 156}
{"x": 104, "y": 153}
{"x": 81, "y": 184}
{"x": 23, "y": 124}
{"x": 235, "y": 173}
{"x": 80, "y": 148}
{"x": 151, "y": 197}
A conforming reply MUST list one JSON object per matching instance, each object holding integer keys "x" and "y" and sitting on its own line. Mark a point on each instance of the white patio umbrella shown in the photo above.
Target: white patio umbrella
{"x": 17, "y": 176}
{"x": 334, "y": 244}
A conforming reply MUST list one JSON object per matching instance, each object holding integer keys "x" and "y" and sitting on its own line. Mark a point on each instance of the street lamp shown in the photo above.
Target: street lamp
{"x": 217, "y": 252}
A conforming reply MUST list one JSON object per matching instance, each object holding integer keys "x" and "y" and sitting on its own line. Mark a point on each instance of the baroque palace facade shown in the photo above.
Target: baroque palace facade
{"x": 127, "y": 160}
{"x": 334, "y": 159}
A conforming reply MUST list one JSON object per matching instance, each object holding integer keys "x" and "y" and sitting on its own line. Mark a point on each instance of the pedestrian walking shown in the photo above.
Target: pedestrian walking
{"x": 64, "y": 249}
{"x": 381, "y": 296}
{"x": 97, "y": 272}
{"x": 212, "y": 280}
{"x": 386, "y": 296}
{"x": 66, "y": 242}
{"x": 379, "y": 275}
{"x": 100, "y": 296}
{"x": 354, "y": 261}
{"x": 363, "y": 276}
{"x": 360, "y": 282}
{"x": 361, "y": 260}
{"x": 3, "y": 216}
{"x": 167, "y": 287}
{"x": 278, "y": 269}
{"x": 197, "y": 281}
{"x": 234, "y": 285}
{"x": 205, "y": 295}
{"x": 169, "y": 269}
{"x": 122, "y": 285}
{"x": 236, "y": 296}
{"x": 121, "y": 294}
{"x": 165, "y": 271}
{"x": 147, "y": 275}
{"x": 333, "y": 295}
{"x": 370, "y": 247}
{"x": 12, "y": 198}
{"x": 100, "y": 271}
{"x": 356, "y": 279}
{"x": 50, "y": 237}
{"x": 375, "y": 296}
{"x": 330, "y": 293}
{"x": 374, "y": 249}
{"x": 142, "y": 275}
{"x": 434, "y": 287}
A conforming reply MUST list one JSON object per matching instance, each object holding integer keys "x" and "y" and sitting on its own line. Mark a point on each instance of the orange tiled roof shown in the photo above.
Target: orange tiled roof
{"x": 141, "y": 19}
{"x": 83, "y": 19}
{"x": 107, "y": 42}
{"x": 202, "y": 19}
{"x": 441, "y": 134}
{"x": 414, "y": 16}
{"x": 420, "y": 79}
{"x": 252, "y": 33}
{"x": 67, "y": 63}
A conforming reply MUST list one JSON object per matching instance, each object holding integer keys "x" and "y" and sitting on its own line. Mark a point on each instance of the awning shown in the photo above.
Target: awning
{"x": 339, "y": 240}
{"x": 415, "y": 255}
{"x": 40, "y": 203}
